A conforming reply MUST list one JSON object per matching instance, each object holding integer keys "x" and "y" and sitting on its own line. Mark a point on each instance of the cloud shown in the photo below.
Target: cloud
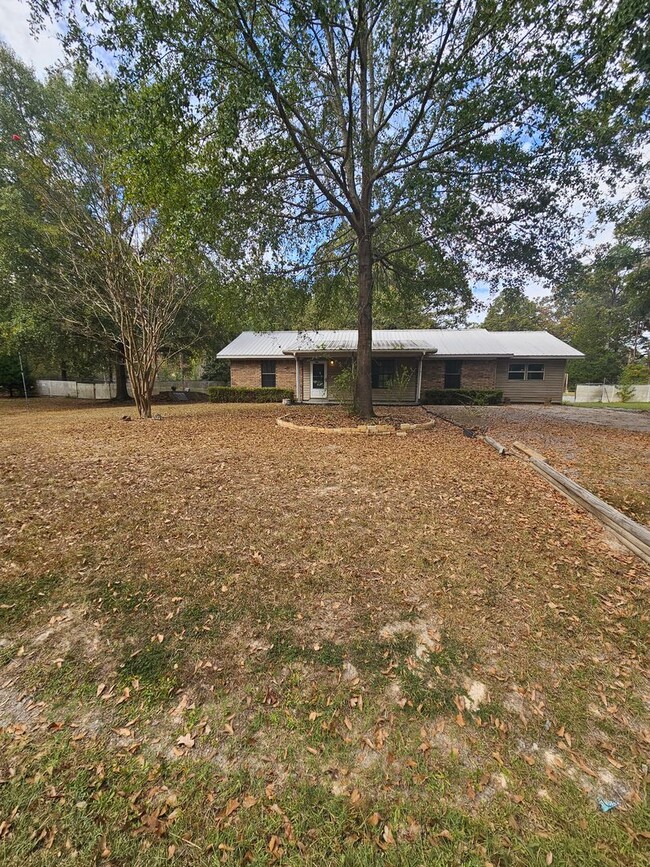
{"x": 40, "y": 50}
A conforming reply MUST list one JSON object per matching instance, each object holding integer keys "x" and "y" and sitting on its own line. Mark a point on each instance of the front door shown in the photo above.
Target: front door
{"x": 319, "y": 379}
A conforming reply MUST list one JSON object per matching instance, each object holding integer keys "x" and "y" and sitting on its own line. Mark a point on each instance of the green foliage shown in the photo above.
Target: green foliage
{"x": 402, "y": 378}
{"x": 635, "y": 373}
{"x": 11, "y": 376}
{"x": 625, "y": 393}
{"x": 462, "y": 397}
{"x": 217, "y": 370}
{"x": 235, "y": 394}
{"x": 341, "y": 388}
{"x": 604, "y": 306}
{"x": 511, "y": 310}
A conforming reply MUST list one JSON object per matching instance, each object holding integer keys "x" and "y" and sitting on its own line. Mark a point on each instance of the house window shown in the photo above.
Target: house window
{"x": 517, "y": 371}
{"x": 535, "y": 371}
{"x": 526, "y": 371}
{"x": 268, "y": 374}
{"x": 383, "y": 371}
{"x": 452, "y": 373}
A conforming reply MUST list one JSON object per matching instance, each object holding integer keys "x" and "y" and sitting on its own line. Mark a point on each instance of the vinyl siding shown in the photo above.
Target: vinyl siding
{"x": 546, "y": 390}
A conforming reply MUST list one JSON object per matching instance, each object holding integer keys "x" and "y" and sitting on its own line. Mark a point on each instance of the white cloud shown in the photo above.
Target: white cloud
{"x": 40, "y": 50}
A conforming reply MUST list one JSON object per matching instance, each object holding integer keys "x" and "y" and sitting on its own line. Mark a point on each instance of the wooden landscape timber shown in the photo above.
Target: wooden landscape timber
{"x": 531, "y": 453}
{"x": 495, "y": 445}
{"x": 635, "y": 537}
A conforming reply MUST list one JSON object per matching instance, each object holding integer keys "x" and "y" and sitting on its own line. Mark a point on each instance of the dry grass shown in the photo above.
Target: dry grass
{"x": 314, "y": 619}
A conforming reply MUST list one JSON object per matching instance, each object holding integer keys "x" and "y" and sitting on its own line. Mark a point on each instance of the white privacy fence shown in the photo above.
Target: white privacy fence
{"x": 610, "y": 393}
{"x": 107, "y": 390}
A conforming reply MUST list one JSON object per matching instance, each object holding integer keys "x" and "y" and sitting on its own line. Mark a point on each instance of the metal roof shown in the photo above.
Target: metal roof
{"x": 475, "y": 342}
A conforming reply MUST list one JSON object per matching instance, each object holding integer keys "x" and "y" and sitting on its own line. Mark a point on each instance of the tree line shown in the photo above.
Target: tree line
{"x": 200, "y": 166}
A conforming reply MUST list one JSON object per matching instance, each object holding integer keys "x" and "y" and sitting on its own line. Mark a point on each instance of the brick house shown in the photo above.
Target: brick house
{"x": 527, "y": 366}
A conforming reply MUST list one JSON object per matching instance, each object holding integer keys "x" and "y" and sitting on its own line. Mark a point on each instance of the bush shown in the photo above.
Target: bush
{"x": 462, "y": 397}
{"x": 625, "y": 393}
{"x": 234, "y": 394}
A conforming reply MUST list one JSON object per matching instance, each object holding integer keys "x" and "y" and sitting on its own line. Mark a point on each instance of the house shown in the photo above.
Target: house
{"x": 527, "y": 366}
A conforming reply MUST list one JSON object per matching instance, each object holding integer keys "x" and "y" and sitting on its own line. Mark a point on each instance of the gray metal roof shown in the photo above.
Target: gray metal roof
{"x": 447, "y": 343}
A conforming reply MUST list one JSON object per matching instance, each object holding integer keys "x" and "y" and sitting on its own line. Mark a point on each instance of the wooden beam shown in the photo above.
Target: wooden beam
{"x": 495, "y": 445}
{"x": 531, "y": 453}
{"x": 634, "y": 536}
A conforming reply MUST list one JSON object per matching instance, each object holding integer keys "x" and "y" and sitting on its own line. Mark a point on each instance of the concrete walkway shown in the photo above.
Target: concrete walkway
{"x": 527, "y": 413}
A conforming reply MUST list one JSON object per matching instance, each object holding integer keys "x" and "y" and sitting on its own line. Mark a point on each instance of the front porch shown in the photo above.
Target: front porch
{"x": 326, "y": 379}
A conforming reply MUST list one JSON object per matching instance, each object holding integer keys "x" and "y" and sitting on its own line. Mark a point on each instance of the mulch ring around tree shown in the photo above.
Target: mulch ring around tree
{"x": 388, "y": 419}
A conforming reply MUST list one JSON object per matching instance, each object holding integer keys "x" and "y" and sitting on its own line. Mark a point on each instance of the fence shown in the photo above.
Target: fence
{"x": 609, "y": 393}
{"x": 107, "y": 390}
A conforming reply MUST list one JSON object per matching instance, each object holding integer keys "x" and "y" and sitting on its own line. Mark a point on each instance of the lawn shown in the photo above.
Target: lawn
{"x": 226, "y": 642}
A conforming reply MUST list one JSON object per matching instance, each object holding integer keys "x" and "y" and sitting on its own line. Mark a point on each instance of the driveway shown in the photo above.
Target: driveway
{"x": 624, "y": 420}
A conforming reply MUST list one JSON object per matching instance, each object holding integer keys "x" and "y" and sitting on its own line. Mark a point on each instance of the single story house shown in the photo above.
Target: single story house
{"x": 527, "y": 366}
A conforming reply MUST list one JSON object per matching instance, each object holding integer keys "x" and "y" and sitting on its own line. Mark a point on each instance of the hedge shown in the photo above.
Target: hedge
{"x": 234, "y": 394}
{"x": 462, "y": 396}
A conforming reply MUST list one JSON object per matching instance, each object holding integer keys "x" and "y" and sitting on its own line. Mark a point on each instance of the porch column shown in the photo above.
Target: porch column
{"x": 419, "y": 385}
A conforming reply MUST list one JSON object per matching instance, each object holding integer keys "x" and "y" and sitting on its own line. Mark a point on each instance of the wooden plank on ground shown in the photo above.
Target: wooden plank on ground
{"x": 634, "y": 536}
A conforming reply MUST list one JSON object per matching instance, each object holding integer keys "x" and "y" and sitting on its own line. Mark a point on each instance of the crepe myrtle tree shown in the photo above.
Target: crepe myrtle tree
{"x": 105, "y": 263}
{"x": 483, "y": 119}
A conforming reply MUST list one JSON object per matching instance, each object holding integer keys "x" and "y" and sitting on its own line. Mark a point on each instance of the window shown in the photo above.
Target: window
{"x": 268, "y": 374}
{"x": 517, "y": 371}
{"x": 452, "y": 373}
{"x": 526, "y": 371}
{"x": 383, "y": 371}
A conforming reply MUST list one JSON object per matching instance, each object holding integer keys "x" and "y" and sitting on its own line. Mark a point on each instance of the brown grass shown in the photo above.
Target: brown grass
{"x": 314, "y": 614}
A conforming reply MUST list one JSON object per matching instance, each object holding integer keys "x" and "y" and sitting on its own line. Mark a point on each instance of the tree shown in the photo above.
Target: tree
{"x": 511, "y": 310}
{"x": 12, "y": 373}
{"x": 603, "y": 306}
{"x": 112, "y": 266}
{"x": 483, "y": 119}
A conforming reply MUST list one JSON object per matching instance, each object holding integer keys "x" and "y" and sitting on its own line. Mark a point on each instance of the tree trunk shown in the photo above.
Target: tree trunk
{"x": 363, "y": 383}
{"x": 64, "y": 371}
{"x": 121, "y": 392}
{"x": 142, "y": 368}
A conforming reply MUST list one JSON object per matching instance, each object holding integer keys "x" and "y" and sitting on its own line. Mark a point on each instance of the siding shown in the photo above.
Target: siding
{"x": 548, "y": 389}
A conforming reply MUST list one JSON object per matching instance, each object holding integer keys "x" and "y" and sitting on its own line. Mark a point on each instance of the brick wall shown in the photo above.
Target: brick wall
{"x": 478, "y": 373}
{"x": 248, "y": 374}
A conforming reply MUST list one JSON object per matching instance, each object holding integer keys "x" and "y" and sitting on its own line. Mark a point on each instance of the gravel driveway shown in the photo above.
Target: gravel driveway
{"x": 619, "y": 419}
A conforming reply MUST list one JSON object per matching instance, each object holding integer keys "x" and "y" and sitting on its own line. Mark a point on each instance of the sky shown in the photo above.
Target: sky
{"x": 40, "y": 52}
{"x": 44, "y": 49}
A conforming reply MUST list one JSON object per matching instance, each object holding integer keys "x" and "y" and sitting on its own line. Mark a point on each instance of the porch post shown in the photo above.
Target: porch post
{"x": 419, "y": 385}
{"x": 298, "y": 389}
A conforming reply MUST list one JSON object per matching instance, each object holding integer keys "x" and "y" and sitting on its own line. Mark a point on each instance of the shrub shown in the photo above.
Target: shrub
{"x": 235, "y": 394}
{"x": 462, "y": 396}
{"x": 342, "y": 387}
{"x": 625, "y": 393}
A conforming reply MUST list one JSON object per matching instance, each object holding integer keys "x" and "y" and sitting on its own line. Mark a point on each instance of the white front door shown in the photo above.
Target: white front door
{"x": 319, "y": 379}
